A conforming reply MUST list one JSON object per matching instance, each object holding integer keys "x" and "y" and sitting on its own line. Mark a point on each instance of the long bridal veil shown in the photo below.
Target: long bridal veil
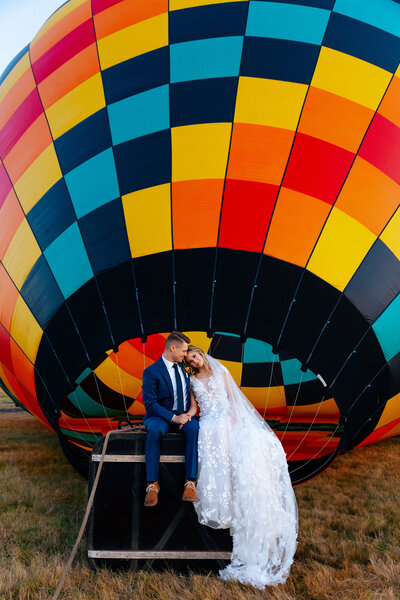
{"x": 264, "y": 518}
{"x": 241, "y": 407}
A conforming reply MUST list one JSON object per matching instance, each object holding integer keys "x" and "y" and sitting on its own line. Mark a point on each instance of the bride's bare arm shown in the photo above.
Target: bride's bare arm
{"x": 193, "y": 405}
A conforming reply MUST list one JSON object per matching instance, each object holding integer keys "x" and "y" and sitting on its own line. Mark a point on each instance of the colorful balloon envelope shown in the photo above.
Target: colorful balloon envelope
{"x": 228, "y": 169}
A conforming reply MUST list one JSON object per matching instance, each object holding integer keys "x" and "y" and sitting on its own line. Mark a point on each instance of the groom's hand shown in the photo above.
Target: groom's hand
{"x": 181, "y": 419}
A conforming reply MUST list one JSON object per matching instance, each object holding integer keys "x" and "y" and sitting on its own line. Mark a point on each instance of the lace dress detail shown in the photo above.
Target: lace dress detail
{"x": 244, "y": 484}
{"x": 214, "y": 445}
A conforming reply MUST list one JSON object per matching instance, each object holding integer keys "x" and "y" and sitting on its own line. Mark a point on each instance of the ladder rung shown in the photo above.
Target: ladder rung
{"x": 160, "y": 554}
{"x": 137, "y": 458}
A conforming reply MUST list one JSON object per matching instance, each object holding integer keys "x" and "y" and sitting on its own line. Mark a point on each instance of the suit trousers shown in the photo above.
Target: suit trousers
{"x": 156, "y": 429}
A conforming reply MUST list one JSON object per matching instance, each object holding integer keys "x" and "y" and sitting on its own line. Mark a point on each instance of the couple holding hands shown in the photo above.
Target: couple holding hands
{"x": 236, "y": 468}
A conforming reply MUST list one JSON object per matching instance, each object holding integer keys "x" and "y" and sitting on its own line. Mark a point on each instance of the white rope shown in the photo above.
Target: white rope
{"x": 85, "y": 518}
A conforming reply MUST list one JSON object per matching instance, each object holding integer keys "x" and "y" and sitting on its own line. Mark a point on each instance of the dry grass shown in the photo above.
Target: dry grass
{"x": 349, "y": 542}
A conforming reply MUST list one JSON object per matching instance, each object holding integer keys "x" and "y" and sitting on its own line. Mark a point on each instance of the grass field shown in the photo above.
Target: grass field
{"x": 349, "y": 529}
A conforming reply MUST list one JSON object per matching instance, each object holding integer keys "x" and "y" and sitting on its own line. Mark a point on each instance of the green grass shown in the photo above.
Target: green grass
{"x": 349, "y": 529}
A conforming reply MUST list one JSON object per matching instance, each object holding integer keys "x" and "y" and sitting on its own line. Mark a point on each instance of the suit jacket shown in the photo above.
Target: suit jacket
{"x": 158, "y": 393}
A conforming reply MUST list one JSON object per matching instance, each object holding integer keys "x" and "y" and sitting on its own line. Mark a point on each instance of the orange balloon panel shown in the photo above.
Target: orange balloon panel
{"x": 259, "y": 153}
{"x": 334, "y": 119}
{"x": 296, "y": 224}
{"x": 125, "y": 13}
{"x": 19, "y": 91}
{"x": 131, "y": 359}
{"x": 23, "y": 368}
{"x": 389, "y": 107}
{"x": 196, "y": 209}
{"x": 31, "y": 144}
{"x": 69, "y": 75}
{"x": 362, "y": 187}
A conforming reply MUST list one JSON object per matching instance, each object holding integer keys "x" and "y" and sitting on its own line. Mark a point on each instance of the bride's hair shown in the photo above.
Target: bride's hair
{"x": 193, "y": 370}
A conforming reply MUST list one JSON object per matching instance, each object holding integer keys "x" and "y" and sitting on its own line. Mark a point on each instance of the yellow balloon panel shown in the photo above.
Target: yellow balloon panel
{"x": 25, "y": 330}
{"x": 350, "y": 77}
{"x": 134, "y": 40}
{"x": 21, "y": 255}
{"x": 77, "y": 105}
{"x": 148, "y": 220}
{"x": 343, "y": 244}
{"x": 269, "y": 102}
{"x": 43, "y": 173}
{"x": 200, "y": 151}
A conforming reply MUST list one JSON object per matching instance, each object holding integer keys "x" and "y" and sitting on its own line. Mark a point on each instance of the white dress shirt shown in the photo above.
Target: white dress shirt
{"x": 170, "y": 369}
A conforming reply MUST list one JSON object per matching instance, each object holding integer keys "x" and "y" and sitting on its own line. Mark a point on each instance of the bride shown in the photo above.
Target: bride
{"x": 243, "y": 480}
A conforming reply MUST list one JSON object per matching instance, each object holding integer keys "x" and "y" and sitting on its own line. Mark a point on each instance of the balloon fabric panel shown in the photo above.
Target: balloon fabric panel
{"x": 146, "y": 212}
{"x": 87, "y": 139}
{"x": 287, "y": 21}
{"x": 62, "y": 51}
{"x": 357, "y": 197}
{"x": 64, "y": 21}
{"x": 202, "y": 101}
{"x": 22, "y": 253}
{"x": 302, "y": 217}
{"x": 78, "y": 104}
{"x": 34, "y": 141}
{"x": 340, "y": 249}
{"x": 390, "y": 103}
{"x": 7, "y": 299}
{"x": 68, "y": 76}
{"x": 250, "y": 157}
{"x": 246, "y": 229}
{"x": 19, "y": 90}
{"x": 52, "y": 214}
{"x": 383, "y": 135}
{"x": 391, "y": 233}
{"x": 269, "y": 102}
{"x": 40, "y": 177}
{"x": 133, "y": 40}
{"x": 350, "y": 77}
{"x": 203, "y": 195}
{"x": 384, "y": 19}
{"x": 11, "y": 213}
{"x": 334, "y": 119}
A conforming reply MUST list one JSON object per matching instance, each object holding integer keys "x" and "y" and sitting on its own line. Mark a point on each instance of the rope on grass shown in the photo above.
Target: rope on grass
{"x": 85, "y": 518}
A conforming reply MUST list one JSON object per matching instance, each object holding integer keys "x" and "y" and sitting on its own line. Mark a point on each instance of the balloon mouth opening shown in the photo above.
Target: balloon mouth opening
{"x": 276, "y": 383}
{"x": 293, "y": 400}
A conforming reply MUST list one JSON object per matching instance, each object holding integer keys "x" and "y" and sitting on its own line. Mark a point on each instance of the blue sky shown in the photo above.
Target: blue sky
{"x": 20, "y": 20}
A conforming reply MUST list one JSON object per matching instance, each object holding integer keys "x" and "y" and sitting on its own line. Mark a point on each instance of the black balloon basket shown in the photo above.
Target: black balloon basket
{"x": 122, "y": 534}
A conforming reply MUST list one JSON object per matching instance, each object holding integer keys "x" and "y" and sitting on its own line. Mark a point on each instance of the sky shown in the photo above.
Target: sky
{"x": 20, "y": 20}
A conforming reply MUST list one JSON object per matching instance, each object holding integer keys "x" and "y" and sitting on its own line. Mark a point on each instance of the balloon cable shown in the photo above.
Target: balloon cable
{"x": 294, "y": 405}
{"x": 269, "y": 386}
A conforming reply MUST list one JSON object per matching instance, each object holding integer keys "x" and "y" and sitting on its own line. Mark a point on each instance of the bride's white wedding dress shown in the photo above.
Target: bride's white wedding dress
{"x": 243, "y": 482}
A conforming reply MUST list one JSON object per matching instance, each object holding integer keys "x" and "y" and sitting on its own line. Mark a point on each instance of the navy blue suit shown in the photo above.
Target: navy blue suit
{"x": 158, "y": 398}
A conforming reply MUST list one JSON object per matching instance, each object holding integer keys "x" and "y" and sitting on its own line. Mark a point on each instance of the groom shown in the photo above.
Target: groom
{"x": 166, "y": 396}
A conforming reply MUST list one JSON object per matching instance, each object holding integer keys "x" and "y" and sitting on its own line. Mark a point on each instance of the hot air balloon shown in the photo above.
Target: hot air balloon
{"x": 228, "y": 169}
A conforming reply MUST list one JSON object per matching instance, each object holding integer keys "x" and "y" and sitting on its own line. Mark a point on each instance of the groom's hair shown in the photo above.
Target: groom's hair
{"x": 177, "y": 338}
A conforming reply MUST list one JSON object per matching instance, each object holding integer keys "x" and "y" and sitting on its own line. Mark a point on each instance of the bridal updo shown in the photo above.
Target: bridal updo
{"x": 192, "y": 370}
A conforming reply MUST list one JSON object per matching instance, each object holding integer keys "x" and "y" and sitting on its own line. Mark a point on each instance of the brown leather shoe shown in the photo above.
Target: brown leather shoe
{"x": 152, "y": 491}
{"x": 189, "y": 491}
